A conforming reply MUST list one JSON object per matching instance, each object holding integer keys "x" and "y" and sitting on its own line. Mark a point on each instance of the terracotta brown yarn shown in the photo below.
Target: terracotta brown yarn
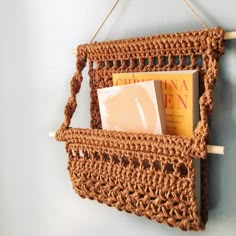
{"x": 149, "y": 175}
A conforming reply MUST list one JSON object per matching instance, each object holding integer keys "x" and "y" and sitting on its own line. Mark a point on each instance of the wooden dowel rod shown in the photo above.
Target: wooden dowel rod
{"x": 52, "y": 134}
{"x": 215, "y": 149}
{"x": 228, "y": 36}
{"x": 210, "y": 148}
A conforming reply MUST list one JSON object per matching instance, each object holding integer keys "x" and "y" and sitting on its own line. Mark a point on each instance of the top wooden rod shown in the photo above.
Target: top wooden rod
{"x": 228, "y": 36}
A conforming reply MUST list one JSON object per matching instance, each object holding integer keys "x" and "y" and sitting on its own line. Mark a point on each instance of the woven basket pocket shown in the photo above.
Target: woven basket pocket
{"x": 149, "y": 175}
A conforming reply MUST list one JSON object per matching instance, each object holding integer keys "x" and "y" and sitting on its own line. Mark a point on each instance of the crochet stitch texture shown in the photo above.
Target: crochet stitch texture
{"x": 149, "y": 175}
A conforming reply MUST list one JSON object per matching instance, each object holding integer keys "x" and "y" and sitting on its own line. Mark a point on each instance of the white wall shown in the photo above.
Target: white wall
{"x": 36, "y": 65}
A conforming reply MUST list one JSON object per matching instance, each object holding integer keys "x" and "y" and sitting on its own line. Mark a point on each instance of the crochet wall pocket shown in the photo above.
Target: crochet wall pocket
{"x": 145, "y": 174}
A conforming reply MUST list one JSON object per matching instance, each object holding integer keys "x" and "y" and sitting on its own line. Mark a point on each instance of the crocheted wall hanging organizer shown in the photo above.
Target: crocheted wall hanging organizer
{"x": 130, "y": 171}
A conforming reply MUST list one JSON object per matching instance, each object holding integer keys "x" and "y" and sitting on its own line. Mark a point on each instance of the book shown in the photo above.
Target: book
{"x": 133, "y": 108}
{"x": 181, "y": 104}
{"x": 180, "y": 97}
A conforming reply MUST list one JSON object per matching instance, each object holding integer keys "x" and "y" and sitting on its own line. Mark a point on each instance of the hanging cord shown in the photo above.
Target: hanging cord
{"x": 104, "y": 21}
{"x": 195, "y": 14}
{"x": 185, "y": 1}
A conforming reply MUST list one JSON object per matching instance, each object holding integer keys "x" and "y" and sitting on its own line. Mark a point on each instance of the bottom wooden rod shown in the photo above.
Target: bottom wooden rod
{"x": 213, "y": 149}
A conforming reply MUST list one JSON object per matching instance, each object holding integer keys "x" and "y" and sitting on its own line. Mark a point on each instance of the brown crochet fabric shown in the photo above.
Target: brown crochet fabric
{"x": 149, "y": 175}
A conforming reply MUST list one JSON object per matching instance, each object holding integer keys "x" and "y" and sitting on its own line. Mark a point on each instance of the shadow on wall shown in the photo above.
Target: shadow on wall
{"x": 222, "y": 174}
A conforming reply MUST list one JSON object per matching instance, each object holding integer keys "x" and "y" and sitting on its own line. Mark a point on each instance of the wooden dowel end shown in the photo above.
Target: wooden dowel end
{"x": 215, "y": 149}
{"x": 230, "y": 35}
{"x": 52, "y": 134}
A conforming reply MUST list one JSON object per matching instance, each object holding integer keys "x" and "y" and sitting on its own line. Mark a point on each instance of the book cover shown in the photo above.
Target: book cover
{"x": 133, "y": 108}
{"x": 180, "y": 97}
{"x": 180, "y": 92}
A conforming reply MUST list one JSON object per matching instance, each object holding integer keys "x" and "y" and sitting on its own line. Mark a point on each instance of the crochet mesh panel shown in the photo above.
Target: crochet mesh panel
{"x": 149, "y": 175}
